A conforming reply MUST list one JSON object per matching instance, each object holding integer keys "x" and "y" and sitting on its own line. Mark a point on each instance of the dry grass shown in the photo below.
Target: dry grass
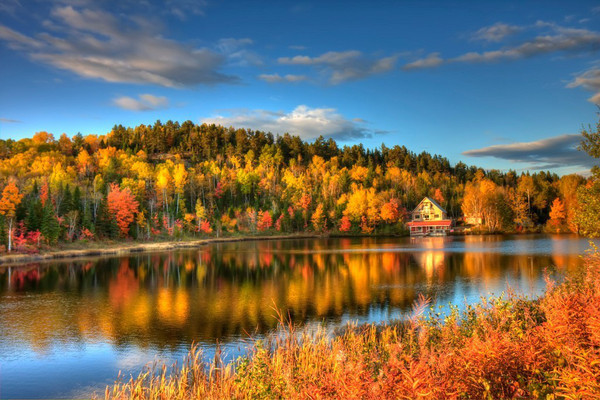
{"x": 500, "y": 349}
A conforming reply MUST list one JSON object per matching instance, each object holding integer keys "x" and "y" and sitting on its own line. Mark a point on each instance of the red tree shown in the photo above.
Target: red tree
{"x": 123, "y": 206}
{"x": 345, "y": 224}
{"x": 205, "y": 227}
{"x": 265, "y": 221}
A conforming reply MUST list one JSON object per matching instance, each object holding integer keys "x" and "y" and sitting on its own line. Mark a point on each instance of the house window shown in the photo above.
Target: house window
{"x": 417, "y": 216}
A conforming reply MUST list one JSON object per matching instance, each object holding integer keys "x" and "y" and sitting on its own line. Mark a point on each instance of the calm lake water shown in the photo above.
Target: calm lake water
{"x": 68, "y": 328}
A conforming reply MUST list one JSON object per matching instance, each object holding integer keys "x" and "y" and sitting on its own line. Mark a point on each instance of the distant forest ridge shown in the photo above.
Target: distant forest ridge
{"x": 172, "y": 180}
{"x": 205, "y": 142}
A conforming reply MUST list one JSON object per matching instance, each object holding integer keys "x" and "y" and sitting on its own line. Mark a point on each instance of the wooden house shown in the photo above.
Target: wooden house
{"x": 429, "y": 219}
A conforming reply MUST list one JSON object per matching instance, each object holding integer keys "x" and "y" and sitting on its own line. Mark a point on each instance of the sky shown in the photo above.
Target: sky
{"x": 499, "y": 84}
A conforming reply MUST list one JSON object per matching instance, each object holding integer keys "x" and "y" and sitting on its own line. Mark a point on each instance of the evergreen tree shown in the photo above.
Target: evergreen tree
{"x": 77, "y": 204}
{"x": 105, "y": 225}
{"x": 50, "y": 227}
{"x": 35, "y": 213}
{"x": 87, "y": 217}
{"x": 67, "y": 203}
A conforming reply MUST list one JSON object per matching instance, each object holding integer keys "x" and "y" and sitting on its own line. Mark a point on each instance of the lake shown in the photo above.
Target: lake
{"x": 67, "y": 328}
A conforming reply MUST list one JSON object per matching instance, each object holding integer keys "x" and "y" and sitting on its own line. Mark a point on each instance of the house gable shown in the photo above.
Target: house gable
{"x": 428, "y": 210}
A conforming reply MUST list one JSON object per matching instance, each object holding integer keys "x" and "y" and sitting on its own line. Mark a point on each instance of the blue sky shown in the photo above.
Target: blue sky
{"x": 496, "y": 84}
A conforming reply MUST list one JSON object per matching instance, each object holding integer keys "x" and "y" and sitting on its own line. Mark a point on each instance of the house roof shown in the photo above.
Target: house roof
{"x": 435, "y": 203}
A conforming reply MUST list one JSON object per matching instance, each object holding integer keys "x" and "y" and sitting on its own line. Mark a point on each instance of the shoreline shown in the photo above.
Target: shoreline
{"x": 124, "y": 248}
{"x": 138, "y": 247}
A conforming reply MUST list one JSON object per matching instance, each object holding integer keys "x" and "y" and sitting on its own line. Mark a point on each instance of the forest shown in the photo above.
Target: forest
{"x": 172, "y": 181}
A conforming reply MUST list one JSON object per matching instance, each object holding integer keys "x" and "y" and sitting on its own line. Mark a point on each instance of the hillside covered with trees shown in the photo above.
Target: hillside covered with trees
{"x": 179, "y": 180}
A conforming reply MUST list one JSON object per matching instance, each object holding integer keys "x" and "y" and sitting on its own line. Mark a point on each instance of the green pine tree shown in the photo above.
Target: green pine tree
{"x": 50, "y": 227}
{"x": 67, "y": 203}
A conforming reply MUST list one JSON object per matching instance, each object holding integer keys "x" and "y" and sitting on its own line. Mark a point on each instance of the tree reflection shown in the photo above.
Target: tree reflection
{"x": 222, "y": 291}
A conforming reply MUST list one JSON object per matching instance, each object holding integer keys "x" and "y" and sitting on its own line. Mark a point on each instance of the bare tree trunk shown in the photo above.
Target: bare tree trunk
{"x": 10, "y": 222}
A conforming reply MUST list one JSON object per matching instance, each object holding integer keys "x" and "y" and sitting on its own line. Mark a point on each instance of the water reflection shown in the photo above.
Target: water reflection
{"x": 226, "y": 290}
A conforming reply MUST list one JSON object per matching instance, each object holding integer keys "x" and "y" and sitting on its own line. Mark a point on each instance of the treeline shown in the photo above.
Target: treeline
{"x": 175, "y": 180}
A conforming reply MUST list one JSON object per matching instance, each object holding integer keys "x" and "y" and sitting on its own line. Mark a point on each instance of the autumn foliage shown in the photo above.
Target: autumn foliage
{"x": 345, "y": 224}
{"x": 557, "y": 215}
{"x": 265, "y": 221}
{"x": 11, "y": 198}
{"x": 205, "y": 227}
{"x": 123, "y": 207}
{"x": 181, "y": 175}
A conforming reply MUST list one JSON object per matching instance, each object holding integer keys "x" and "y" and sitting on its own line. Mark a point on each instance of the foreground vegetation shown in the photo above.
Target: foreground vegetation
{"x": 502, "y": 348}
{"x": 172, "y": 180}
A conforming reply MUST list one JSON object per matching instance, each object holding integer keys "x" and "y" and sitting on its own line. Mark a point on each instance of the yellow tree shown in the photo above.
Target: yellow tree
{"x": 200, "y": 213}
{"x": 492, "y": 205}
{"x": 526, "y": 187}
{"x": 84, "y": 162}
{"x": 359, "y": 174}
{"x": 179, "y": 180}
{"x": 43, "y": 138}
{"x": 163, "y": 184}
{"x": 318, "y": 219}
{"x": 472, "y": 205}
{"x": 11, "y": 198}
{"x": 364, "y": 206}
{"x": 567, "y": 187}
{"x": 483, "y": 203}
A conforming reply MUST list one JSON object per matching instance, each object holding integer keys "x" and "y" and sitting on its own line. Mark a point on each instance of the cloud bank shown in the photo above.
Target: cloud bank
{"x": 589, "y": 80}
{"x": 9, "y": 121}
{"x": 308, "y": 123}
{"x": 276, "y": 78}
{"x": 95, "y": 44}
{"x": 496, "y": 32}
{"x": 343, "y": 66}
{"x": 553, "y": 152}
{"x": 560, "y": 39}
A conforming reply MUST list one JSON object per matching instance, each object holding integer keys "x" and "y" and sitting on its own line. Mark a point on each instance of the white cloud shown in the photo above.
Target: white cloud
{"x": 589, "y": 80}
{"x": 560, "y": 39}
{"x": 554, "y": 152}
{"x": 95, "y": 44}
{"x": 308, "y": 123}
{"x": 343, "y": 66}
{"x": 17, "y": 40}
{"x": 432, "y": 60}
{"x": 9, "y": 121}
{"x": 276, "y": 78}
{"x": 145, "y": 102}
{"x": 237, "y": 53}
{"x": 496, "y": 32}
{"x": 183, "y": 9}
{"x": 230, "y": 45}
